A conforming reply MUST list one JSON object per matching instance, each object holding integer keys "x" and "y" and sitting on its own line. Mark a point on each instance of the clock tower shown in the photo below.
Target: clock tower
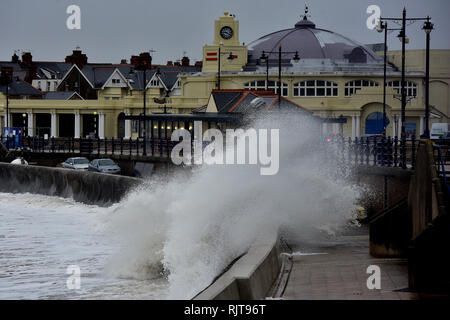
{"x": 226, "y": 36}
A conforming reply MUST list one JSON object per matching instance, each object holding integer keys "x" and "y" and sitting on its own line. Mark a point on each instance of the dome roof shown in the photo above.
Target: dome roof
{"x": 311, "y": 43}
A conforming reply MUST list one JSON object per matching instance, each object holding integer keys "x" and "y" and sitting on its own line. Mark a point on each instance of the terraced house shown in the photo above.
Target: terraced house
{"x": 322, "y": 71}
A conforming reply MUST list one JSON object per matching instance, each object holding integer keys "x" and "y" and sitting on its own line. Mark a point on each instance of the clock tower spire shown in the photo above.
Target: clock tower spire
{"x": 226, "y": 36}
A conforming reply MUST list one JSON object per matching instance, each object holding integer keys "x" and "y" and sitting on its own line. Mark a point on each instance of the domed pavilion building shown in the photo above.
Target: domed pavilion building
{"x": 321, "y": 70}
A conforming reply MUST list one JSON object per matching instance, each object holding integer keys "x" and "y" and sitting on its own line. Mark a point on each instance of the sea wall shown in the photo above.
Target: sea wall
{"x": 82, "y": 186}
{"x": 251, "y": 276}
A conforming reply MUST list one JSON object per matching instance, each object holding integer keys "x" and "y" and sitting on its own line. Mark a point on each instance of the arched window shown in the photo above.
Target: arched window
{"x": 352, "y": 86}
{"x": 315, "y": 88}
{"x": 273, "y": 85}
{"x": 411, "y": 87}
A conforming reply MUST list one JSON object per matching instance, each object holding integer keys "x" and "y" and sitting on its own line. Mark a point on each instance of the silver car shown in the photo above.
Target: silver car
{"x": 104, "y": 166}
{"x": 77, "y": 163}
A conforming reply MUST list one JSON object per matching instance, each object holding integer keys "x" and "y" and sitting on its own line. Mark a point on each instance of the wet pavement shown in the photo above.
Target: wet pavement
{"x": 336, "y": 268}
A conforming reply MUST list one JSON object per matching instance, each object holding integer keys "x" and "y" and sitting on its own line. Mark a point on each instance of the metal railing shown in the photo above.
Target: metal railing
{"x": 441, "y": 153}
{"x": 107, "y": 146}
{"x": 375, "y": 151}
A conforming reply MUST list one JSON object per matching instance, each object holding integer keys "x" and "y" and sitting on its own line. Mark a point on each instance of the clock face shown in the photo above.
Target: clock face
{"x": 226, "y": 33}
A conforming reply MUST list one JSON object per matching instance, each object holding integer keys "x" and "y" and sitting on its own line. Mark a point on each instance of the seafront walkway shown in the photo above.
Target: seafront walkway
{"x": 337, "y": 269}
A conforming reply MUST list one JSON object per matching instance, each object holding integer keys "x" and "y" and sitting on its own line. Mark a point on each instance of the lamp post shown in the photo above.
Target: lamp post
{"x": 143, "y": 67}
{"x": 428, "y": 27}
{"x": 6, "y": 79}
{"x": 230, "y": 57}
{"x": 403, "y": 39}
{"x": 265, "y": 58}
{"x": 7, "y": 105}
{"x": 383, "y": 26}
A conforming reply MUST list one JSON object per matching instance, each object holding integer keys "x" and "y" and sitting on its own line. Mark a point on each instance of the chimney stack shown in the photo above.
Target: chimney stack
{"x": 27, "y": 58}
{"x": 15, "y": 58}
{"x": 78, "y": 58}
{"x": 144, "y": 58}
{"x": 185, "y": 62}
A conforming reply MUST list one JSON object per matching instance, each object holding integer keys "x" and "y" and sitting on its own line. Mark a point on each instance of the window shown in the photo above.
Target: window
{"x": 352, "y": 86}
{"x": 49, "y": 85}
{"x": 115, "y": 81}
{"x": 155, "y": 83}
{"x": 39, "y": 85}
{"x": 106, "y": 98}
{"x": 115, "y": 98}
{"x": 411, "y": 87}
{"x": 315, "y": 88}
{"x": 272, "y": 85}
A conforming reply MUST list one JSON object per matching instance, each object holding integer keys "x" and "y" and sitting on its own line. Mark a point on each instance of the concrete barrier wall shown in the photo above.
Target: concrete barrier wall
{"x": 429, "y": 220}
{"x": 82, "y": 186}
{"x": 251, "y": 277}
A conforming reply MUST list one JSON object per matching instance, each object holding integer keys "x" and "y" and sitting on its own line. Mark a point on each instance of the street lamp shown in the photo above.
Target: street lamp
{"x": 229, "y": 58}
{"x": 143, "y": 67}
{"x": 404, "y": 40}
{"x": 265, "y": 58}
{"x": 380, "y": 27}
{"x": 427, "y": 27}
{"x": 6, "y": 79}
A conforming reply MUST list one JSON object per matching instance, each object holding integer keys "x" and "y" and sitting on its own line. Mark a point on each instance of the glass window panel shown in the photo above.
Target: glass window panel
{"x": 310, "y": 92}
{"x": 302, "y": 92}
{"x": 328, "y": 91}
{"x": 296, "y": 92}
{"x": 310, "y": 83}
{"x": 320, "y": 92}
{"x": 335, "y": 92}
{"x": 320, "y": 83}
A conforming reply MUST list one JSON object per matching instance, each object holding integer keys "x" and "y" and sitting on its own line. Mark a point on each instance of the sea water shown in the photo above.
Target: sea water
{"x": 173, "y": 235}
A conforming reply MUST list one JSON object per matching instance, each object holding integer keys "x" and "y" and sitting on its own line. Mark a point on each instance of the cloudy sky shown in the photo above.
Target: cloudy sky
{"x": 112, "y": 29}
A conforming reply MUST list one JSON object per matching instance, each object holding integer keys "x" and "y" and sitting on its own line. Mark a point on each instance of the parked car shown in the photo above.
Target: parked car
{"x": 20, "y": 160}
{"x": 77, "y": 163}
{"x": 104, "y": 166}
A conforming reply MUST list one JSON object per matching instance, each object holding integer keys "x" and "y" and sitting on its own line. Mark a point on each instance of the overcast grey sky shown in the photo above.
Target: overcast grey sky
{"x": 111, "y": 29}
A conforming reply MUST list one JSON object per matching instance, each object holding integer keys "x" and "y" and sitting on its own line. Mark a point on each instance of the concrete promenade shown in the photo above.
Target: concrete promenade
{"x": 339, "y": 272}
